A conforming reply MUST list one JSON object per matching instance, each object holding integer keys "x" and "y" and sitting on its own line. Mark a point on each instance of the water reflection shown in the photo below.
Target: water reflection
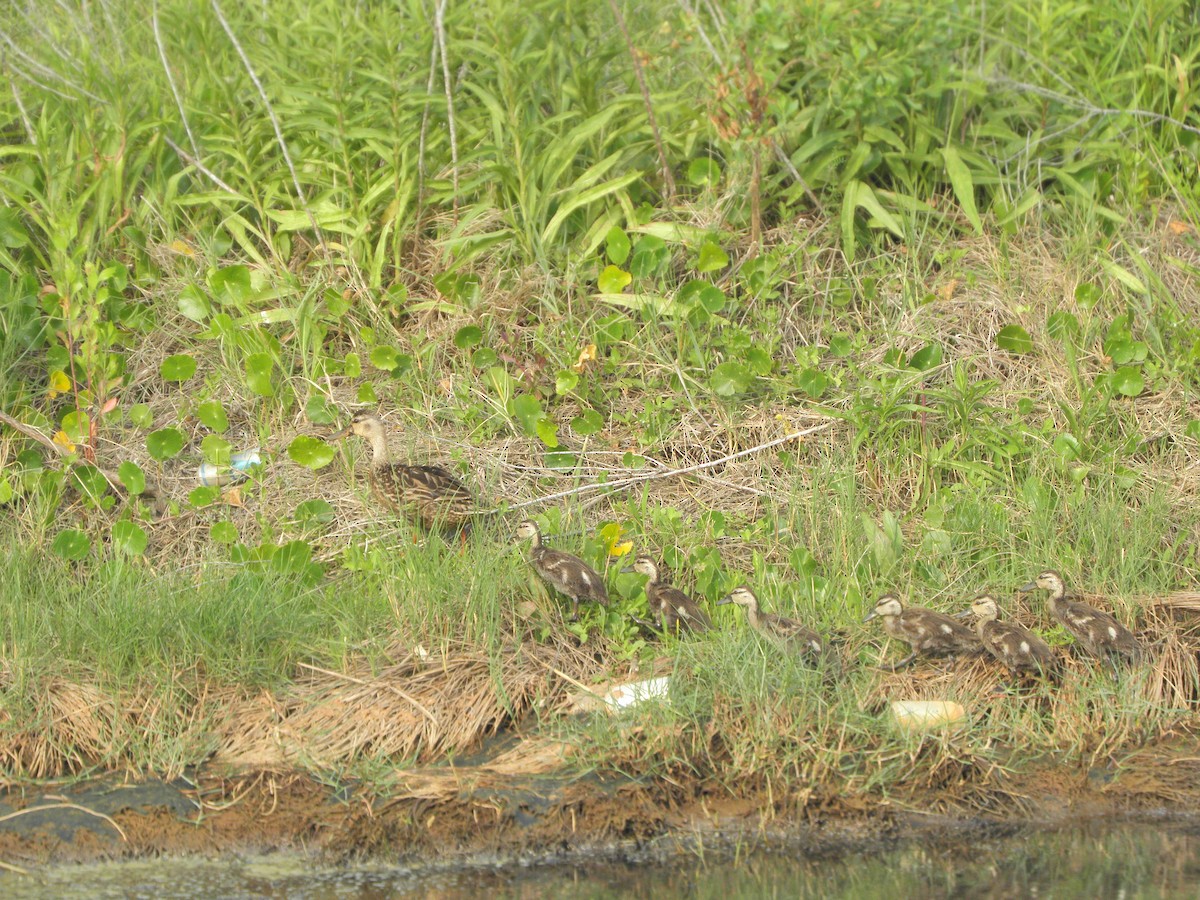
{"x": 1129, "y": 861}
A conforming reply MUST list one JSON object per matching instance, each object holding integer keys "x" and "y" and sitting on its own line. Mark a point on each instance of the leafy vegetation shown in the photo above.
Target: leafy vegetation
{"x": 963, "y": 240}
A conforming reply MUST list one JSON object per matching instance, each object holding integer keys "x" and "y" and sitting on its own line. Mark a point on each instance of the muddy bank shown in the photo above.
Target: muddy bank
{"x": 457, "y": 815}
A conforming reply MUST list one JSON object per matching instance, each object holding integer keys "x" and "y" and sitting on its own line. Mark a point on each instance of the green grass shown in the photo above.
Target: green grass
{"x": 978, "y": 264}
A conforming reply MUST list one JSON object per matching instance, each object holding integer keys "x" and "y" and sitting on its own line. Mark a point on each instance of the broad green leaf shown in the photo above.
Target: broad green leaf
{"x": 468, "y": 336}
{"x": 1128, "y": 381}
{"x": 212, "y": 414}
{"x": 353, "y": 366}
{"x": 386, "y": 358}
{"x": 231, "y": 285}
{"x": 527, "y": 410}
{"x": 565, "y": 381}
{"x": 260, "y": 374}
{"x": 77, "y": 425}
{"x": 319, "y": 411}
{"x": 1123, "y": 275}
{"x": 617, "y": 246}
{"x": 292, "y": 557}
{"x": 128, "y": 537}
{"x": 140, "y": 415}
{"x": 587, "y": 422}
{"x": 223, "y": 533}
{"x": 310, "y": 452}
{"x": 484, "y": 357}
{"x": 366, "y": 393}
{"x": 760, "y": 361}
{"x": 1014, "y": 339}
{"x": 71, "y": 543}
{"x": 613, "y": 280}
{"x": 205, "y": 495}
{"x": 193, "y": 304}
{"x": 164, "y": 443}
{"x": 730, "y": 378}
{"x": 813, "y": 382}
{"x": 216, "y": 449}
{"x": 547, "y": 432}
{"x": 703, "y": 292}
{"x": 928, "y": 357}
{"x": 179, "y": 367}
{"x": 711, "y": 258}
{"x": 703, "y": 172}
{"x": 132, "y": 477}
{"x": 964, "y": 187}
{"x": 316, "y": 510}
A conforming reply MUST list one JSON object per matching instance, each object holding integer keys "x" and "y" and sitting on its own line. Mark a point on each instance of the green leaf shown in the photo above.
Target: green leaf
{"x": 617, "y": 246}
{"x": 702, "y": 292}
{"x": 1014, "y": 339}
{"x": 292, "y": 557}
{"x": 128, "y": 537}
{"x": 260, "y": 374}
{"x": 860, "y": 196}
{"x": 132, "y": 477}
{"x": 164, "y": 443}
{"x": 6, "y": 491}
{"x": 231, "y": 285}
{"x": 730, "y": 378}
{"x": 711, "y": 258}
{"x": 1128, "y": 381}
{"x": 587, "y": 422}
{"x": 319, "y": 411}
{"x": 310, "y": 452}
{"x": 193, "y": 304}
{"x": 140, "y": 415}
{"x": 179, "y": 367}
{"x": 212, "y": 414}
{"x": 841, "y": 345}
{"x": 386, "y": 358}
{"x": 565, "y": 381}
{"x": 1087, "y": 295}
{"x": 216, "y": 449}
{"x": 352, "y": 367}
{"x": 928, "y": 357}
{"x": 72, "y": 544}
{"x": 964, "y": 187}
{"x": 613, "y": 280}
{"x": 703, "y": 172}
{"x": 206, "y": 495}
{"x": 484, "y": 357}
{"x": 223, "y": 533}
{"x": 760, "y": 361}
{"x": 316, "y": 510}
{"x": 813, "y": 382}
{"x": 366, "y": 393}
{"x": 547, "y": 432}
{"x": 77, "y": 425}
{"x": 527, "y": 410}
{"x": 1193, "y": 430}
{"x": 467, "y": 336}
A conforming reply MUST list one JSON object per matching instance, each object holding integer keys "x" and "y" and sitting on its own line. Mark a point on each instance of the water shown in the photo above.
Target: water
{"x": 1127, "y": 861}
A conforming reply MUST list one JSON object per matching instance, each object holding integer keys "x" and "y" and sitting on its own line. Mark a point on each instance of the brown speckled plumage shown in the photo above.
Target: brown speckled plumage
{"x": 786, "y": 632}
{"x": 675, "y": 609}
{"x": 567, "y": 574}
{"x": 925, "y": 630}
{"x": 1099, "y": 632}
{"x": 427, "y": 495}
{"x": 1018, "y": 648}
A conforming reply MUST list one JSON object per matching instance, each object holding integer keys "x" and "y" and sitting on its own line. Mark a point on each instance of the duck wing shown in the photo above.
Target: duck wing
{"x": 1097, "y": 630}
{"x": 436, "y": 496}
{"x": 570, "y": 575}
{"x": 677, "y": 609}
{"x": 791, "y": 632}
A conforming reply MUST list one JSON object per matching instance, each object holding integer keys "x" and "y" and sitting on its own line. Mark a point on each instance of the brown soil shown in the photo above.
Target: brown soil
{"x": 451, "y": 814}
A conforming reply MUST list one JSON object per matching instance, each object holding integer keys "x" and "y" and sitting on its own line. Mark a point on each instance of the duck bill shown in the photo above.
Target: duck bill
{"x": 965, "y": 614}
{"x": 1026, "y": 588}
{"x": 725, "y": 600}
{"x": 345, "y": 432}
{"x": 627, "y": 570}
{"x": 869, "y": 616}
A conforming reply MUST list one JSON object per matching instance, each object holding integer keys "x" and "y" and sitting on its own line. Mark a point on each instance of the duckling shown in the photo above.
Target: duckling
{"x": 675, "y": 609}
{"x": 428, "y": 495}
{"x": 1099, "y": 633}
{"x": 925, "y": 630}
{"x": 567, "y": 574}
{"x": 1018, "y": 648}
{"x": 784, "y": 631}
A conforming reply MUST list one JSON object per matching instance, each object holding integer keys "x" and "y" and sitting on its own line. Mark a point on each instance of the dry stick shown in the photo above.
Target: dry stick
{"x": 658, "y": 476}
{"x": 287, "y": 157}
{"x": 29, "y": 132}
{"x": 395, "y": 690}
{"x": 439, "y": 27}
{"x": 114, "y": 482}
{"x": 191, "y": 160}
{"x": 433, "y": 59}
{"x": 668, "y": 178}
{"x": 162, "y": 54}
{"x": 66, "y": 805}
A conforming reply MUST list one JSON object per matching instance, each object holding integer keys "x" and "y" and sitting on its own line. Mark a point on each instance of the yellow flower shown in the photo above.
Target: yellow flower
{"x": 63, "y": 441}
{"x": 59, "y": 383}
{"x": 586, "y": 355}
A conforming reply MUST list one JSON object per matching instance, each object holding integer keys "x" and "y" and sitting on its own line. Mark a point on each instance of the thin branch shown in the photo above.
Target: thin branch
{"x": 162, "y": 54}
{"x": 670, "y": 473}
{"x": 287, "y": 157}
{"x": 191, "y": 160}
{"x": 439, "y": 27}
{"x": 668, "y": 178}
{"x": 391, "y": 687}
{"x": 433, "y": 59}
